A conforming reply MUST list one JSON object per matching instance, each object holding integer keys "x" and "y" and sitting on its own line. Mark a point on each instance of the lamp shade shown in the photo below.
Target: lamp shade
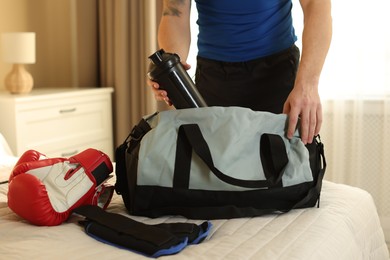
{"x": 18, "y": 47}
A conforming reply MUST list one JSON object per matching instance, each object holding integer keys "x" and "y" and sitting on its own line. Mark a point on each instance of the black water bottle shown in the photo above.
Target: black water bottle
{"x": 167, "y": 70}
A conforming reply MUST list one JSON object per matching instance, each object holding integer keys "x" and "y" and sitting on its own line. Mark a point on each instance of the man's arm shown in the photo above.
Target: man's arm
{"x": 174, "y": 34}
{"x": 304, "y": 100}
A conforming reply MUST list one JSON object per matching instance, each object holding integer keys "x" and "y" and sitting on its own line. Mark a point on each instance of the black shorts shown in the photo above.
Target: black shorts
{"x": 262, "y": 84}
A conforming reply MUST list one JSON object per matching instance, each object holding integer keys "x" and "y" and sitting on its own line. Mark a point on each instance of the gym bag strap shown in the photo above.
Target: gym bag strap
{"x": 131, "y": 142}
{"x": 319, "y": 163}
{"x": 274, "y": 159}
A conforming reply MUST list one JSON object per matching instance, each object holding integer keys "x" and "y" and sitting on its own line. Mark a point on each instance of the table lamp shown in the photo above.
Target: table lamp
{"x": 19, "y": 49}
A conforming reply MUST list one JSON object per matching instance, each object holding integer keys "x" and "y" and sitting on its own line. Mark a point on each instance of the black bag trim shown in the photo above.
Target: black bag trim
{"x": 155, "y": 201}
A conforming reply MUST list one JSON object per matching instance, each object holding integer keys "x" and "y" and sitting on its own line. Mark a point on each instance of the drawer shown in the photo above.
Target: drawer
{"x": 64, "y": 122}
{"x": 68, "y": 149}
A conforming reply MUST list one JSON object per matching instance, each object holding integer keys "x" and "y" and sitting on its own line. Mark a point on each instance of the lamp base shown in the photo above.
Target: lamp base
{"x": 19, "y": 80}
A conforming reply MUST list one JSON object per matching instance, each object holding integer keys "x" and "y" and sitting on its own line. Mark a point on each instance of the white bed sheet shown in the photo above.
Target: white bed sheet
{"x": 346, "y": 226}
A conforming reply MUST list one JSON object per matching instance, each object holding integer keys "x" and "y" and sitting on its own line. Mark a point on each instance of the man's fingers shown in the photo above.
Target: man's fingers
{"x": 312, "y": 127}
{"x": 305, "y": 126}
{"x": 319, "y": 120}
{"x": 305, "y": 111}
{"x": 292, "y": 123}
{"x": 160, "y": 95}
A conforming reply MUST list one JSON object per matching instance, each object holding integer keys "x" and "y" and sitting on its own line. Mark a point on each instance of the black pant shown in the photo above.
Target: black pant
{"x": 262, "y": 84}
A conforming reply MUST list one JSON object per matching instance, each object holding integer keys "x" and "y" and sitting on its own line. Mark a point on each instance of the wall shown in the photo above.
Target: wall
{"x": 12, "y": 18}
{"x": 66, "y": 40}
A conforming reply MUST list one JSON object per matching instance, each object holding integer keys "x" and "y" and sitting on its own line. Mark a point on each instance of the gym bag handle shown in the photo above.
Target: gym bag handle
{"x": 273, "y": 153}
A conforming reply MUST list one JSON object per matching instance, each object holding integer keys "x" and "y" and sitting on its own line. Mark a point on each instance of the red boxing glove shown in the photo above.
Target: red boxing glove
{"x": 45, "y": 191}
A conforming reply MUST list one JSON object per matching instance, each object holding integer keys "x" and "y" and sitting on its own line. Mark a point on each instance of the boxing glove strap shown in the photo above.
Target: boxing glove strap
{"x": 95, "y": 162}
{"x": 101, "y": 173}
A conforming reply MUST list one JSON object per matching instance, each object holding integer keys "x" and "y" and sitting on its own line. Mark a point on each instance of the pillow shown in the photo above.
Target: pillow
{"x": 7, "y": 159}
{"x": 4, "y": 147}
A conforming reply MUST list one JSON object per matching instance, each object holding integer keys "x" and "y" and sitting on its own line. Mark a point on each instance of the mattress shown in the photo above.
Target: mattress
{"x": 345, "y": 226}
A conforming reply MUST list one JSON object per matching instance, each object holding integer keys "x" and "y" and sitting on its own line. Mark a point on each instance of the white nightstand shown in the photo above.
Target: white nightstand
{"x": 58, "y": 122}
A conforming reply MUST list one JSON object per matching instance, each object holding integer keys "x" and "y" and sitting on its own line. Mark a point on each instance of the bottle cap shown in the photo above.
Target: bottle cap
{"x": 160, "y": 62}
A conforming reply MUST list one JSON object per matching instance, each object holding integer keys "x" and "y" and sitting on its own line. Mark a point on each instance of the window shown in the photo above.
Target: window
{"x": 358, "y": 62}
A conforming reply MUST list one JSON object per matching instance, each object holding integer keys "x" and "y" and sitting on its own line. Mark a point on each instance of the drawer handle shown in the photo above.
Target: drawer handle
{"x": 70, "y": 110}
{"x": 69, "y": 153}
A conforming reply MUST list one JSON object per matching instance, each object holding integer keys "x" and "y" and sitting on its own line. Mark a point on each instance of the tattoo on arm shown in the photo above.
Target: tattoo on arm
{"x": 171, "y": 7}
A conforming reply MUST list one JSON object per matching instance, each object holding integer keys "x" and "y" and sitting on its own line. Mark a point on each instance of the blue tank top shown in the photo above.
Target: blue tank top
{"x": 242, "y": 30}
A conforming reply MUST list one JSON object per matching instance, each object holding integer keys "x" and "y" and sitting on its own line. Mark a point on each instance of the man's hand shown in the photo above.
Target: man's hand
{"x": 305, "y": 105}
{"x": 160, "y": 94}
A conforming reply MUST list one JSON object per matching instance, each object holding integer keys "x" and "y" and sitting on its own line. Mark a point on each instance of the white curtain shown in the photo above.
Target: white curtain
{"x": 355, "y": 133}
{"x": 355, "y": 89}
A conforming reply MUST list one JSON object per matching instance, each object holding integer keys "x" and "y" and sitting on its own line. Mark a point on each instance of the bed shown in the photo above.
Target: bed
{"x": 345, "y": 226}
